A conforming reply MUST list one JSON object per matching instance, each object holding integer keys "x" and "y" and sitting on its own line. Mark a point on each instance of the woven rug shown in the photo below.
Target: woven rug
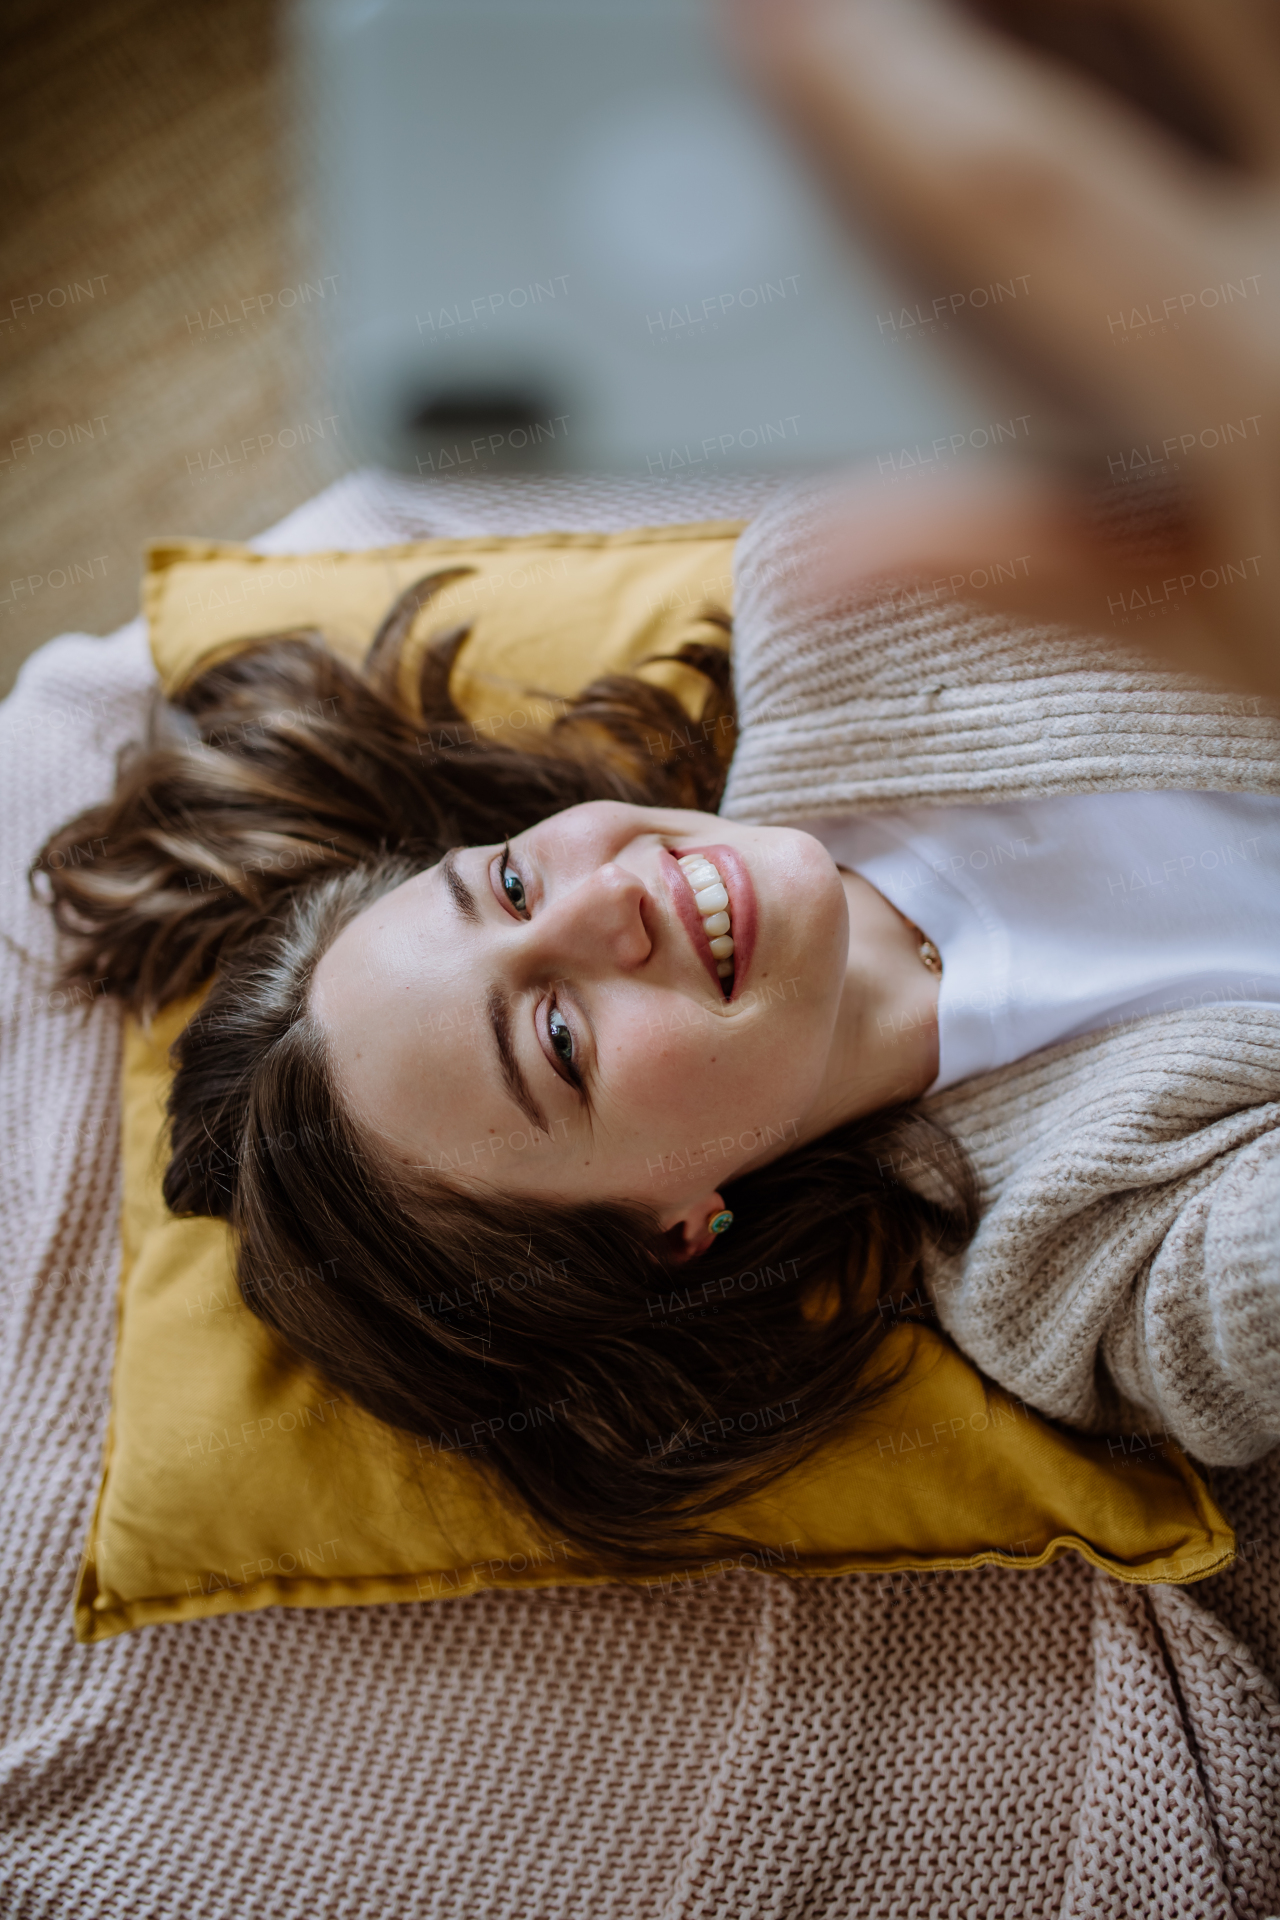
{"x": 158, "y": 306}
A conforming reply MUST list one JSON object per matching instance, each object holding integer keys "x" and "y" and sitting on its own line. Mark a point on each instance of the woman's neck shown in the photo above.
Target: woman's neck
{"x": 885, "y": 1046}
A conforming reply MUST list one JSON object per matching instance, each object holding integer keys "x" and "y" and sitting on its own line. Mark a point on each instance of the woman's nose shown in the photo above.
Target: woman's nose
{"x": 599, "y": 918}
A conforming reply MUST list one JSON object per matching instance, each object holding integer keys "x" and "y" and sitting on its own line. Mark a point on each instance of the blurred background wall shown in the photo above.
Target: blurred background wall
{"x": 159, "y": 349}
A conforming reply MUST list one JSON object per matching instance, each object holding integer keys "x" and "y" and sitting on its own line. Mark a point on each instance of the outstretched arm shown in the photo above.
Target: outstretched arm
{"x": 1152, "y": 268}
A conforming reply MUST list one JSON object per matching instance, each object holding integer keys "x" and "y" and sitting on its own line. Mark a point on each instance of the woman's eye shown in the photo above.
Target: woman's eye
{"x": 561, "y": 1035}
{"x": 513, "y": 887}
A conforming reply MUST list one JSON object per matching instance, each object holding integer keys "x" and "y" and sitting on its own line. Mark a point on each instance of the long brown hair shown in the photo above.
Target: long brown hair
{"x": 623, "y": 1398}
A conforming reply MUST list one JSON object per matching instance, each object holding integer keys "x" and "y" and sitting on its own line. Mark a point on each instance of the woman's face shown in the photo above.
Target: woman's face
{"x": 552, "y": 1022}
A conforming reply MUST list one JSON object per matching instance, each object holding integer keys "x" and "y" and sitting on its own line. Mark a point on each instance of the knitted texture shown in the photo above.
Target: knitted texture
{"x": 1020, "y": 1745}
{"x": 896, "y": 698}
{"x": 1128, "y": 1262}
{"x": 1121, "y": 1242}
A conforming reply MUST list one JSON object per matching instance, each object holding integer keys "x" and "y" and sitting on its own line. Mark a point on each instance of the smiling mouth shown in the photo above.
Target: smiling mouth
{"x": 711, "y": 897}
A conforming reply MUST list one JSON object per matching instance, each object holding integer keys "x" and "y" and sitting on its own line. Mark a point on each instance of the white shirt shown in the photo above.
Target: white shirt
{"x": 1056, "y": 917}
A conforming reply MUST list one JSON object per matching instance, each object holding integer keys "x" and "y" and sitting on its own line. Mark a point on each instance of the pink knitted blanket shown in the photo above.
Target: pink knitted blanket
{"x": 985, "y": 1743}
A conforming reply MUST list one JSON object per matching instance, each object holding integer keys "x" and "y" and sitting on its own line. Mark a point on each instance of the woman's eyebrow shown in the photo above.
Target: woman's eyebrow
{"x": 463, "y": 898}
{"x": 512, "y": 1076}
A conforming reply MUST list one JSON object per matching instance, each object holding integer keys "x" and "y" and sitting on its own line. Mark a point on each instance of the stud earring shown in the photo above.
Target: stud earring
{"x": 720, "y": 1222}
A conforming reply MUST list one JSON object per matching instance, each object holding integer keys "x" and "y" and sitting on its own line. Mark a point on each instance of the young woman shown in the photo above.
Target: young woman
{"x": 566, "y": 1092}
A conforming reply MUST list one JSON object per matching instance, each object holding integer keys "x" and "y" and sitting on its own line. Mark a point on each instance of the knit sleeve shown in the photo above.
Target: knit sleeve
{"x": 895, "y": 696}
{"x": 1200, "y": 1345}
{"x": 1126, "y": 1268}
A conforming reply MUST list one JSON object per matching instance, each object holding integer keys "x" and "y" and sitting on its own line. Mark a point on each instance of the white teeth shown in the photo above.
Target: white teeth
{"x": 712, "y": 897}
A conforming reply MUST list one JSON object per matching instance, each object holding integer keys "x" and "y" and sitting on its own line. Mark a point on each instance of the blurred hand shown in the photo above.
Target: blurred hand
{"x": 1152, "y": 317}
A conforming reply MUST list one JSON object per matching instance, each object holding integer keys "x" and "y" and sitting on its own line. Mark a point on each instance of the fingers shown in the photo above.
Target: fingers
{"x": 1018, "y": 542}
{"x": 983, "y": 161}
{"x": 1005, "y": 542}
{"x": 1149, "y": 277}
{"x": 1206, "y": 70}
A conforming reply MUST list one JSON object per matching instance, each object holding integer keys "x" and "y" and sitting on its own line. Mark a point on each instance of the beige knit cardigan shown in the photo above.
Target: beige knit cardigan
{"x": 1126, "y": 1269}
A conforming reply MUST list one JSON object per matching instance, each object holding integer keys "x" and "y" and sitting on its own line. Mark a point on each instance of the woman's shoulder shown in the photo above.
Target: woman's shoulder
{"x": 1160, "y": 1083}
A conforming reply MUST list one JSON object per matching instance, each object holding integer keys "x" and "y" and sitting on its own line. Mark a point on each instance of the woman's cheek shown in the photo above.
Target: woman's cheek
{"x": 707, "y": 1078}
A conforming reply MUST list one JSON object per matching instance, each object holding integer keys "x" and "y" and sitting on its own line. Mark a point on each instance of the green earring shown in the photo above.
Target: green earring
{"x": 720, "y": 1222}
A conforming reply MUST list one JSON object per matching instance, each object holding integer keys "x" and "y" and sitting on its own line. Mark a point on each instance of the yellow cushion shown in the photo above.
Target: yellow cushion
{"x": 234, "y": 1480}
{"x": 548, "y": 611}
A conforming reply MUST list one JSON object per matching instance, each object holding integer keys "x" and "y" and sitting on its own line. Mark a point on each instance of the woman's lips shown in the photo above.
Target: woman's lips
{"x": 743, "y": 911}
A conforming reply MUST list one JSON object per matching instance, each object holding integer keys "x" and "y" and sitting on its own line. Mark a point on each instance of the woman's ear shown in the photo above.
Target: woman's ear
{"x": 689, "y": 1233}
